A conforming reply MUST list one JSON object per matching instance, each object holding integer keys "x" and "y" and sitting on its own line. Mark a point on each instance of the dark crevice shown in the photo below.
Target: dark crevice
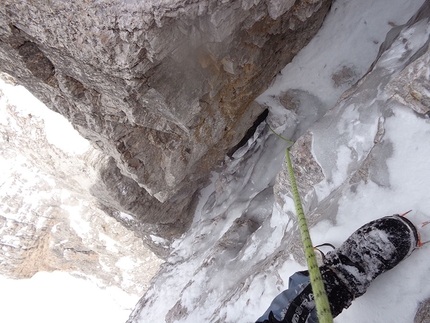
{"x": 38, "y": 64}
{"x": 249, "y": 133}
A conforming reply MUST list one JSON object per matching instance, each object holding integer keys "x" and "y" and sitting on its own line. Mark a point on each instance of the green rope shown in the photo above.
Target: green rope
{"x": 318, "y": 289}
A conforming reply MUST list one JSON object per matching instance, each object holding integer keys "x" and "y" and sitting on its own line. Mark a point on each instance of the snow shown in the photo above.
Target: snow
{"x": 125, "y": 263}
{"x": 408, "y": 134}
{"x": 48, "y": 297}
{"x": 59, "y": 131}
{"x": 219, "y": 270}
{"x": 57, "y": 297}
{"x": 158, "y": 240}
{"x": 350, "y": 37}
{"x": 221, "y": 250}
{"x": 126, "y": 216}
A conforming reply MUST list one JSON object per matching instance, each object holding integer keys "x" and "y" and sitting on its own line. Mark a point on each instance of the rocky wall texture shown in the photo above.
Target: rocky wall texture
{"x": 423, "y": 312}
{"x": 242, "y": 247}
{"x": 162, "y": 87}
{"x": 48, "y": 219}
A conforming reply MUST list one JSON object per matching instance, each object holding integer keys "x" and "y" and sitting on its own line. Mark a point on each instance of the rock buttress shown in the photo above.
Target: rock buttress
{"x": 164, "y": 90}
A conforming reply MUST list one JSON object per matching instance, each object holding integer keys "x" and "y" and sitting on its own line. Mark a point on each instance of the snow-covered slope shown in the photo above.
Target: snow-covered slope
{"x": 365, "y": 159}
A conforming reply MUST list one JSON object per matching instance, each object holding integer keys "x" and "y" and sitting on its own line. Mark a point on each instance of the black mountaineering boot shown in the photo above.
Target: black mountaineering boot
{"x": 348, "y": 270}
{"x": 371, "y": 250}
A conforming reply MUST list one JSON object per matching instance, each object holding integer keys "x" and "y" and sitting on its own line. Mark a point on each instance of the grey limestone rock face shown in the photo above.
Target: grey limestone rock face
{"x": 222, "y": 273}
{"x": 50, "y": 222}
{"x": 162, "y": 87}
{"x": 423, "y": 312}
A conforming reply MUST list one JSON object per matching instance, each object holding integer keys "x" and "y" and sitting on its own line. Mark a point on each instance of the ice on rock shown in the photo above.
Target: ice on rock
{"x": 278, "y": 7}
{"x": 373, "y": 153}
{"x": 236, "y": 256}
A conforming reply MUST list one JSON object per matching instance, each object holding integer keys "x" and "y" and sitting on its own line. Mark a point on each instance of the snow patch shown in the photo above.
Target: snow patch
{"x": 57, "y": 296}
{"x": 59, "y": 131}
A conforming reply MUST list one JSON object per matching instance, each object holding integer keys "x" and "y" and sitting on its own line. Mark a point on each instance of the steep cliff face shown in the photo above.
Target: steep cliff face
{"x": 366, "y": 158}
{"x": 165, "y": 88}
{"x": 48, "y": 219}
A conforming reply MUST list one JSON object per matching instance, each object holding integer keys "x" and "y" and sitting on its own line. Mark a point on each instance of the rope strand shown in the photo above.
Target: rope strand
{"x": 318, "y": 288}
